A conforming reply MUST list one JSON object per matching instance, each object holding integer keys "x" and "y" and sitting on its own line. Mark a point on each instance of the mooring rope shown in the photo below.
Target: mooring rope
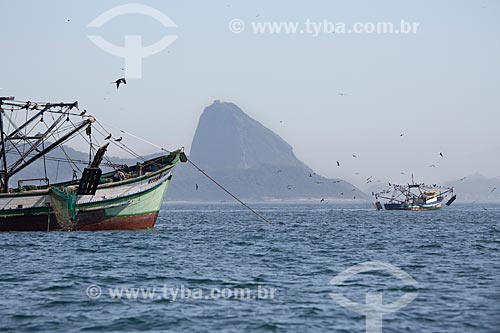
{"x": 263, "y": 218}
{"x": 227, "y": 191}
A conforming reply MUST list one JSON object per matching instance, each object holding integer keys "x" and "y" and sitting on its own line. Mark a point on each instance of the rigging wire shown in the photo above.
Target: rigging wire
{"x": 204, "y": 173}
{"x": 73, "y": 165}
{"x": 262, "y": 217}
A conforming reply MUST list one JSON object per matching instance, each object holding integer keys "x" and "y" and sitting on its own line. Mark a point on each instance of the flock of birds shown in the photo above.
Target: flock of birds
{"x": 368, "y": 180}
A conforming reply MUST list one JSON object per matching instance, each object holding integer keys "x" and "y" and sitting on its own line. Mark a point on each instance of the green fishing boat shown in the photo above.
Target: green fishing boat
{"x": 125, "y": 197}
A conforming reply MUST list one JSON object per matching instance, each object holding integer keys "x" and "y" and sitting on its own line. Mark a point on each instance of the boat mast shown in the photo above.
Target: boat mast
{"x": 5, "y": 176}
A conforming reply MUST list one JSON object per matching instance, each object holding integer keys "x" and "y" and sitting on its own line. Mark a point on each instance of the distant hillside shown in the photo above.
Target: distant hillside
{"x": 251, "y": 161}
{"x": 476, "y": 188}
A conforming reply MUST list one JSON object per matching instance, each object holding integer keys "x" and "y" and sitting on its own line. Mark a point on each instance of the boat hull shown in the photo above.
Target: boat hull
{"x": 128, "y": 205}
{"x": 404, "y": 206}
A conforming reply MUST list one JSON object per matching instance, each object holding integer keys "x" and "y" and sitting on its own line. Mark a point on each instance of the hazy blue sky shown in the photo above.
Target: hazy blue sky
{"x": 440, "y": 86}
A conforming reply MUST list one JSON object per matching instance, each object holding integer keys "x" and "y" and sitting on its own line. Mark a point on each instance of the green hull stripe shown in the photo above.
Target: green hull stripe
{"x": 159, "y": 187}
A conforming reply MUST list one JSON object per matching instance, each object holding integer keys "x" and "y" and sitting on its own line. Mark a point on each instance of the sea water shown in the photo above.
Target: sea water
{"x": 218, "y": 268}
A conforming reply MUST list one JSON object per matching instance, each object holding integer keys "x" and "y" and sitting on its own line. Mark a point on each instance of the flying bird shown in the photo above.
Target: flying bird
{"x": 322, "y": 200}
{"x": 338, "y": 163}
{"x": 341, "y": 94}
{"x": 354, "y": 156}
{"x": 119, "y": 139}
{"x": 119, "y": 81}
{"x": 401, "y": 134}
{"x": 493, "y": 190}
{"x": 432, "y": 166}
{"x": 462, "y": 178}
{"x": 83, "y": 112}
{"x": 390, "y": 184}
{"x": 441, "y": 154}
{"x": 108, "y": 137}
{"x": 310, "y": 175}
{"x": 196, "y": 187}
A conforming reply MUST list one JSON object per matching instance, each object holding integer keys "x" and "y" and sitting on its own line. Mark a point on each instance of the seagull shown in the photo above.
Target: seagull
{"x": 354, "y": 156}
{"x": 432, "y": 166}
{"x": 369, "y": 178}
{"x": 83, "y": 112}
{"x": 108, "y": 137}
{"x": 281, "y": 121}
{"x": 196, "y": 187}
{"x": 462, "y": 178}
{"x": 401, "y": 134}
{"x": 390, "y": 184}
{"x": 119, "y": 139}
{"x": 322, "y": 200}
{"x": 441, "y": 154}
{"x": 120, "y": 81}
{"x": 338, "y": 163}
{"x": 493, "y": 190}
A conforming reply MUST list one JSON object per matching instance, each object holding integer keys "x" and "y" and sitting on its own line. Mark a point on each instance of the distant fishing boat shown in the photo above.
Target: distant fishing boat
{"x": 414, "y": 197}
{"x": 129, "y": 197}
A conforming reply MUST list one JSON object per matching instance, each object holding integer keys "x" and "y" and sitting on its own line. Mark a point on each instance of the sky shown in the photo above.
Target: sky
{"x": 329, "y": 95}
